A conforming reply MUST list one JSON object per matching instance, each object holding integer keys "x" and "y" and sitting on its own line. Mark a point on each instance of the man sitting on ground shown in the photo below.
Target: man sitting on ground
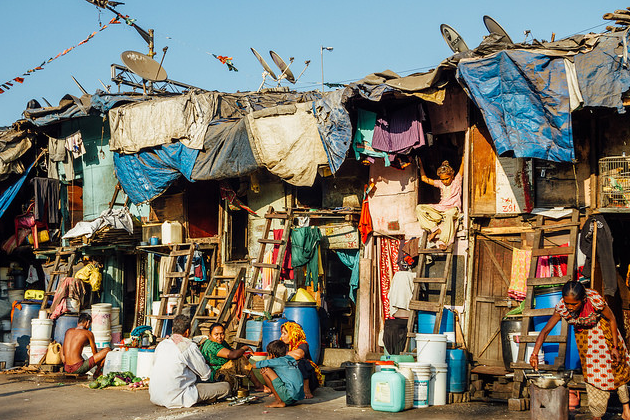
{"x": 73, "y": 343}
{"x": 177, "y": 365}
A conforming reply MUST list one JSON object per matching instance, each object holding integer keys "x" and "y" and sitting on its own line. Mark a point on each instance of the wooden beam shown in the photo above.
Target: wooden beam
{"x": 494, "y": 260}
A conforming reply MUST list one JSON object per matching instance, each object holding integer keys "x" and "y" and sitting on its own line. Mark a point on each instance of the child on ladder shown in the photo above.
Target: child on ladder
{"x": 439, "y": 219}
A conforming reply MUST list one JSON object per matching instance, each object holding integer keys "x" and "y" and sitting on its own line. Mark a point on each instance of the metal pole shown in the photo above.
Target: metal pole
{"x": 321, "y": 50}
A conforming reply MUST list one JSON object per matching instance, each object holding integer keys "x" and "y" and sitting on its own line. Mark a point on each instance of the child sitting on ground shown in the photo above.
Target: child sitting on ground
{"x": 281, "y": 375}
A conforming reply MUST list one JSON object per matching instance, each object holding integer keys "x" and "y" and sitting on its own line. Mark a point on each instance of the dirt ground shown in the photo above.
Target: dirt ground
{"x": 52, "y": 397}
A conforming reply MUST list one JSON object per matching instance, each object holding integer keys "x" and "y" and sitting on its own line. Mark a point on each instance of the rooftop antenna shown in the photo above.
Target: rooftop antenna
{"x": 79, "y": 85}
{"x": 284, "y": 68}
{"x": 267, "y": 70}
{"x": 145, "y": 67}
{"x": 46, "y": 100}
{"x": 105, "y": 87}
{"x": 494, "y": 28}
{"x": 453, "y": 39}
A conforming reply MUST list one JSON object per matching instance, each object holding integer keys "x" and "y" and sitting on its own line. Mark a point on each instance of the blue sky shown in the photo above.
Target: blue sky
{"x": 367, "y": 36}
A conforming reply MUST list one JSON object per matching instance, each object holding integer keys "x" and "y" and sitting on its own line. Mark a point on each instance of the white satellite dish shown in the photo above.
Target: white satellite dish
{"x": 144, "y": 66}
{"x": 453, "y": 39}
{"x": 286, "y": 72}
{"x": 494, "y": 28}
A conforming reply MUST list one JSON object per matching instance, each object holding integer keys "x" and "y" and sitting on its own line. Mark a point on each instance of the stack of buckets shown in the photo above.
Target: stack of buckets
{"x": 102, "y": 324}
{"x": 115, "y": 325}
{"x": 41, "y": 336}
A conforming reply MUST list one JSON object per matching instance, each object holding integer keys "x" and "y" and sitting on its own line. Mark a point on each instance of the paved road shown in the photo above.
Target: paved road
{"x": 48, "y": 398}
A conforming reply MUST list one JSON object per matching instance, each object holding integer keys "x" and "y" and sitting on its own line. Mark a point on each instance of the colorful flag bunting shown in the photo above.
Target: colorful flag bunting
{"x": 226, "y": 60}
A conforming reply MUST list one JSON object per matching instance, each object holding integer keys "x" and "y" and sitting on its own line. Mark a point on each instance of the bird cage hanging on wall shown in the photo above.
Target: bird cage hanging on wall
{"x": 614, "y": 181}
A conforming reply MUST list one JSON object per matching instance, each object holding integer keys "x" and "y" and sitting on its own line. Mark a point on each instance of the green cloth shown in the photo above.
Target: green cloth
{"x": 304, "y": 251}
{"x": 209, "y": 350}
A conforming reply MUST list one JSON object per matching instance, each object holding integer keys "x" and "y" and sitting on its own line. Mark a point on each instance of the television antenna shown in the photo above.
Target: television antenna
{"x": 286, "y": 72}
{"x": 453, "y": 39}
{"x": 494, "y": 28}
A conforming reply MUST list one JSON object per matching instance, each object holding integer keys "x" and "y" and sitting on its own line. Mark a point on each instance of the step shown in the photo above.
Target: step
{"x": 160, "y": 316}
{"x": 436, "y": 251}
{"x": 246, "y": 341}
{"x": 179, "y": 253}
{"x": 265, "y": 265}
{"x": 276, "y": 216}
{"x": 206, "y": 317}
{"x": 554, "y": 250}
{"x": 171, "y": 295}
{"x": 547, "y": 281}
{"x": 549, "y": 339}
{"x": 175, "y": 274}
{"x": 538, "y": 312}
{"x": 418, "y": 305}
{"x": 257, "y": 291}
{"x": 271, "y": 241}
{"x": 429, "y": 280}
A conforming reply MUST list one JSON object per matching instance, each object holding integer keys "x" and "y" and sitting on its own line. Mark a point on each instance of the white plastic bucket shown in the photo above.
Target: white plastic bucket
{"x": 116, "y": 333}
{"x": 145, "y": 363}
{"x": 421, "y": 379}
{"x": 115, "y": 316}
{"x": 431, "y": 348}
{"x": 101, "y": 317}
{"x": 7, "y": 354}
{"x": 408, "y": 374}
{"x": 113, "y": 362}
{"x": 41, "y": 329}
{"x": 437, "y": 386}
{"x": 37, "y": 350}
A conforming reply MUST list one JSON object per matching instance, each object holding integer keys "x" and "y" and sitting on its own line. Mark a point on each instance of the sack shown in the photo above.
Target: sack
{"x": 340, "y": 236}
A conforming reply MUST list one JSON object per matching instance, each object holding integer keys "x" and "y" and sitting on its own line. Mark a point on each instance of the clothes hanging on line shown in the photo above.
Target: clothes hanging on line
{"x": 362, "y": 142}
{"x": 305, "y": 251}
{"x": 388, "y": 266}
{"x": 521, "y": 261}
{"x": 350, "y": 258}
{"x": 46, "y": 199}
{"x": 401, "y": 291}
{"x": 395, "y": 335}
{"x": 604, "y": 250}
{"x": 399, "y": 131}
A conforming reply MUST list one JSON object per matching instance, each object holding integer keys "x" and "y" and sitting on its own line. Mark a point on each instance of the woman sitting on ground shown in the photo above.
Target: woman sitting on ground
{"x": 226, "y": 362}
{"x": 293, "y": 335}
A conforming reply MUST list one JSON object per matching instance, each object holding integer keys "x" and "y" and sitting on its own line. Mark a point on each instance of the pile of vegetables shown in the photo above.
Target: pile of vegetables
{"x": 138, "y": 384}
{"x": 114, "y": 379}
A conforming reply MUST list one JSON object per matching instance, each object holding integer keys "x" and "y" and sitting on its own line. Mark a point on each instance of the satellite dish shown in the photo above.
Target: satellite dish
{"x": 144, "y": 66}
{"x": 264, "y": 64}
{"x": 494, "y": 28}
{"x": 453, "y": 39}
{"x": 288, "y": 74}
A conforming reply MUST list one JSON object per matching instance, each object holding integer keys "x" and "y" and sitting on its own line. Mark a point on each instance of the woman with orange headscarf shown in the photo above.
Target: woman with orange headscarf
{"x": 293, "y": 335}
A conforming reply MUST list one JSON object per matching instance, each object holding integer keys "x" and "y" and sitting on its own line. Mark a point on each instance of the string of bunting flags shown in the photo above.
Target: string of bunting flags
{"x": 19, "y": 79}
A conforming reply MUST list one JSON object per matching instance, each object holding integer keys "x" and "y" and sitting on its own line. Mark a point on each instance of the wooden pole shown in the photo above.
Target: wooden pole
{"x": 593, "y": 252}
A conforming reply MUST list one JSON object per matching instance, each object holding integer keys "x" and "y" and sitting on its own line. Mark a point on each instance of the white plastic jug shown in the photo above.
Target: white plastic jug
{"x": 171, "y": 232}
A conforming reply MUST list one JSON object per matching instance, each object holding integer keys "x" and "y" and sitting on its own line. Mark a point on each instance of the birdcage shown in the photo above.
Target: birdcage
{"x": 614, "y": 181}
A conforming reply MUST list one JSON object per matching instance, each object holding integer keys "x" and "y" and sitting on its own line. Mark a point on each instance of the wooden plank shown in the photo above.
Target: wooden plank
{"x": 265, "y": 265}
{"x": 548, "y": 281}
{"x": 507, "y": 230}
{"x": 549, "y": 339}
{"x": 556, "y": 250}
{"x": 538, "y": 312}
{"x": 483, "y": 172}
{"x": 257, "y": 291}
{"x": 418, "y": 305}
{"x": 429, "y": 280}
{"x": 497, "y": 266}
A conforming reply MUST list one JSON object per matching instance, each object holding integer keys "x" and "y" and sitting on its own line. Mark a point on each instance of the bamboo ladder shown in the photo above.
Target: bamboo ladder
{"x": 250, "y": 290}
{"x": 187, "y": 250}
{"x": 569, "y": 224}
{"x": 62, "y": 256}
{"x": 220, "y": 311}
{"x": 416, "y": 304}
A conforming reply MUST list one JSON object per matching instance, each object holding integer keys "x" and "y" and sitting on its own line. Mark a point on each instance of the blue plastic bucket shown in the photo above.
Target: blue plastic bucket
{"x": 305, "y": 314}
{"x": 271, "y": 330}
{"x": 549, "y": 300}
{"x": 21, "y": 327}
{"x": 457, "y": 368}
{"x": 63, "y": 324}
{"x": 426, "y": 322}
{"x": 253, "y": 330}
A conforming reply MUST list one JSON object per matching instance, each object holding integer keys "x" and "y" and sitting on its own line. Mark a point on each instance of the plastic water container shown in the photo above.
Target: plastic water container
{"x": 171, "y": 232}
{"x": 102, "y": 339}
{"x": 549, "y": 300}
{"x": 408, "y": 374}
{"x": 398, "y": 358}
{"x": 388, "y": 390}
{"x": 380, "y": 364}
{"x": 421, "y": 380}
{"x": 41, "y": 329}
{"x": 431, "y": 348}
{"x": 37, "y": 350}
{"x": 271, "y": 330}
{"x": 116, "y": 334}
{"x": 457, "y": 368}
{"x": 305, "y": 314}
{"x": 253, "y": 330}
{"x": 145, "y": 362}
{"x": 113, "y": 362}
{"x": 7, "y": 354}
{"x": 129, "y": 360}
{"x": 426, "y": 322}
{"x": 21, "y": 327}
{"x": 437, "y": 386}
{"x": 63, "y": 324}
{"x": 101, "y": 317}
{"x": 358, "y": 383}
{"x": 115, "y": 316}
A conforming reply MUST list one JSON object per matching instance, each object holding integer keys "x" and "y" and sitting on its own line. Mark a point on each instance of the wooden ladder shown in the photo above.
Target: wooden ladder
{"x": 568, "y": 224}
{"x": 187, "y": 250}
{"x": 416, "y": 304}
{"x": 220, "y": 311}
{"x": 62, "y": 256}
{"x": 250, "y": 289}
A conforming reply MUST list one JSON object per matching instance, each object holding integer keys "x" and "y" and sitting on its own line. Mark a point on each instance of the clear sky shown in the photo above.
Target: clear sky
{"x": 367, "y": 36}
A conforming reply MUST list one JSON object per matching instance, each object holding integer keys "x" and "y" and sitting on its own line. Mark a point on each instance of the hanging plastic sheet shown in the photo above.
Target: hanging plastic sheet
{"x": 335, "y": 128}
{"x": 147, "y": 174}
{"x": 9, "y": 194}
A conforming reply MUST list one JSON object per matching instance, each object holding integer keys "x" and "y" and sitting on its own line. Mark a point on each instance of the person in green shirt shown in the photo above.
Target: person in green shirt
{"x": 225, "y": 362}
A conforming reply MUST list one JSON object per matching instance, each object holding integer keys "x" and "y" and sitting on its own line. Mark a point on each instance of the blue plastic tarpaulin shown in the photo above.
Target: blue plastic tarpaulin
{"x": 147, "y": 174}
{"x": 524, "y": 98}
{"x": 9, "y": 194}
{"x": 334, "y": 126}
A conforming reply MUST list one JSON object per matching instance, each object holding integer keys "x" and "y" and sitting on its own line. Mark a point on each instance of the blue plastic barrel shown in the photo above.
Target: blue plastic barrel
{"x": 253, "y": 330}
{"x": 426, "y": 322}
{"x": 271, "y": 330}
{"x": 21, "y": 327}
{"x": 63, "y": 324}
{"x": 457, "y": 368}
{"x": 305, "y": 314}
{"x": 549, "y": 300}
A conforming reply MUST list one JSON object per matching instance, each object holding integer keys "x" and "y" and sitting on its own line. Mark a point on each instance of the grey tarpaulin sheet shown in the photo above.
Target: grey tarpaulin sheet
{"x": 117, "y": 219}
{"x": 227, "y": 152}
{"x": 524, "y": 99}
{"x": 335, "y": 128}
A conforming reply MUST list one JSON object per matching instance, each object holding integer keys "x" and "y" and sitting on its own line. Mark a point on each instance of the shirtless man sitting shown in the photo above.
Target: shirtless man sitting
{"x": 73, "y": 343}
